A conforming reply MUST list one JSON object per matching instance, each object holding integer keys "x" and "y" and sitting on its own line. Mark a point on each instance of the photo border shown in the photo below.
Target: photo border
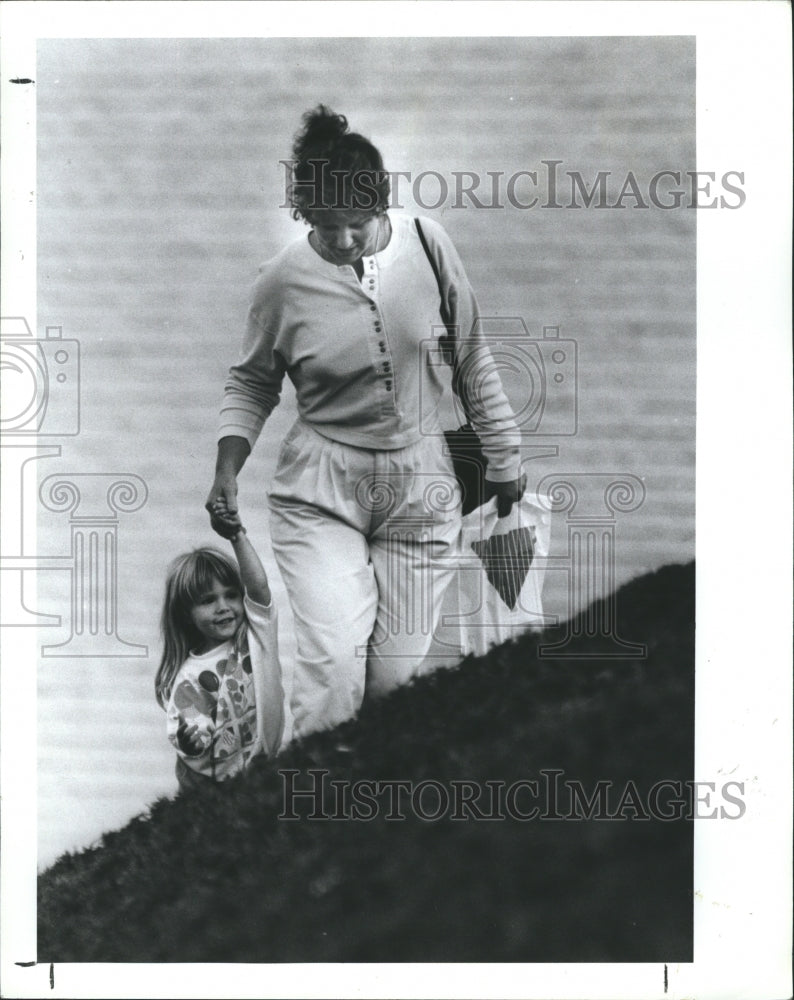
{"x": 743, "y": 654}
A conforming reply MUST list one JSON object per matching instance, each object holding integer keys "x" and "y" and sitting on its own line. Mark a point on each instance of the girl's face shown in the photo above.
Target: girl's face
{"x": 217, "y": 614}
{"x": 343, "y": 236}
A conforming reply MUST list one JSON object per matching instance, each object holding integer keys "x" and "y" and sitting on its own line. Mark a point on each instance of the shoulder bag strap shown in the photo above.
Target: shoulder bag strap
{"x": 448, "y": 340}
{"x": 423, "y": 240}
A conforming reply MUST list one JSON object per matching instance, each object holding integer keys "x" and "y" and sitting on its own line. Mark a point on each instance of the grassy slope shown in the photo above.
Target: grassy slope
{"x": 219, "y": 877}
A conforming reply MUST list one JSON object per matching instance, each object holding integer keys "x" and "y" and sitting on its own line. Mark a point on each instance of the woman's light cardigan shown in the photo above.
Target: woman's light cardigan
{"x": 364, "y": 355}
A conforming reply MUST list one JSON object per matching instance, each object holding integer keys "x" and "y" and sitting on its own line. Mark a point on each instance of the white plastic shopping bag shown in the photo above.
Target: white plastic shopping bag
{"x": 497, "y": 591}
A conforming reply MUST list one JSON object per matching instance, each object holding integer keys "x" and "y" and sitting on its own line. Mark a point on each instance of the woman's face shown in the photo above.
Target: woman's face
{"x": 345, "y": 235}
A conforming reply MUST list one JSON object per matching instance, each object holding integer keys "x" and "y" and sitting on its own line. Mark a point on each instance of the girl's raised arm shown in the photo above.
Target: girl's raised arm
{"x": 271, "y": 711}
{"x": 252, "y": 572}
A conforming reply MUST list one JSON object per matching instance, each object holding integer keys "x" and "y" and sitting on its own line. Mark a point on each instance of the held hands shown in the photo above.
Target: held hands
{"x": 506, "y": 493}
{"x": 222, "y": 507}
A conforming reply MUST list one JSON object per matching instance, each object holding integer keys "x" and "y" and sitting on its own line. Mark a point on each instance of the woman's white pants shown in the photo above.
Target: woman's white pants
{"x": 367, "y": 544}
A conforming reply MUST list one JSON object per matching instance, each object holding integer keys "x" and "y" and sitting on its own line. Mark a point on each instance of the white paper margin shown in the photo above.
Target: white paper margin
{"x": 744, "y": 544}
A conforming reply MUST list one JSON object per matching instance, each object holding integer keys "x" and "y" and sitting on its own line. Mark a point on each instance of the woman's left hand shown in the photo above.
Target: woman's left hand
{"x": 506, "y": 493}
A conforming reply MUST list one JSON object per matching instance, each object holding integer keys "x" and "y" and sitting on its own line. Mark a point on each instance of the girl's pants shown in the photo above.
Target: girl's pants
{"x": 190, "y": 780}
{"x": 367, "y": 543}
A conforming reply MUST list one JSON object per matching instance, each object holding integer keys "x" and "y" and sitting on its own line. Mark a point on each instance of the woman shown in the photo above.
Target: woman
{"x": 364, "y": 509}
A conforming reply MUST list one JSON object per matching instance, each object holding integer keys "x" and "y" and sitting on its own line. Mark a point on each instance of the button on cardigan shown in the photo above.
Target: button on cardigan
{"x": 364, "y": 355}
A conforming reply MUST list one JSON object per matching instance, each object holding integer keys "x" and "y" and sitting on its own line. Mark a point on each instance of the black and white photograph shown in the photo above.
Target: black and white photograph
{"x": 396, "y": 499}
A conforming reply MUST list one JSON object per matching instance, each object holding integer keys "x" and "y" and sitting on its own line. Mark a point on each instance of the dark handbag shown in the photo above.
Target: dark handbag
{"x": 469, "y": 463}
{"x": 465, "y": 447}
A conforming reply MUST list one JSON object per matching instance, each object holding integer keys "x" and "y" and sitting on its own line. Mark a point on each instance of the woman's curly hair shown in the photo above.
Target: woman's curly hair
{"x": 335, "y": 168}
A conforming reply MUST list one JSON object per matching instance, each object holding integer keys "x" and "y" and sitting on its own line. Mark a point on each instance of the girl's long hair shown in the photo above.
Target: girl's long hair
{"x": 189, "y": 577}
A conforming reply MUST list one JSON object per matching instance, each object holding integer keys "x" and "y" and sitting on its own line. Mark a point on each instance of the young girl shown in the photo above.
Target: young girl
{"x": 219, "y": 678}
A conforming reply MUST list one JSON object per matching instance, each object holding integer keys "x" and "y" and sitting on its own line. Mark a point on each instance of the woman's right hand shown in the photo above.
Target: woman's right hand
{"x": 222, "y": 505}
{"x": 222, "y": 501}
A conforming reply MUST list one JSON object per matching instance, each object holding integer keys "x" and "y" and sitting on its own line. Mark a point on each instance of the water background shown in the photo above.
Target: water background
{"x": 159, "y": 192}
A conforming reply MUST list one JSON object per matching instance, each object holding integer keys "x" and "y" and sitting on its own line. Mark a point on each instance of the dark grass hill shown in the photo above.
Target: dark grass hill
{"x": 222, "y": 876}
